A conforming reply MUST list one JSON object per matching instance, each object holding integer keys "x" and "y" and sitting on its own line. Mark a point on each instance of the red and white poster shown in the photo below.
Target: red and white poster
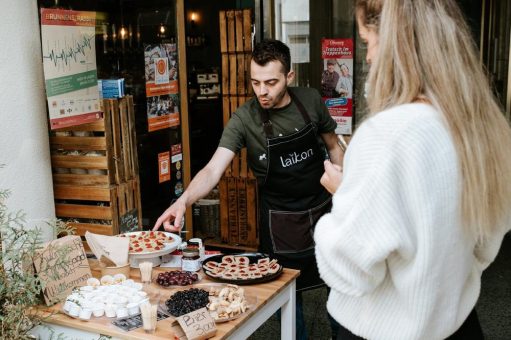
{"x": 337, "y": 81}
{"x": 69, "y": 61}
{"x": 164, "y": 167}
{"x": 161, "y": 75}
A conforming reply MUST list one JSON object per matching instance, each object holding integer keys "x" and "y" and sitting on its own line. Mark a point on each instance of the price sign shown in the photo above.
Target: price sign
{"x": 197, "y": 325}
{"x": 129, "y": 222}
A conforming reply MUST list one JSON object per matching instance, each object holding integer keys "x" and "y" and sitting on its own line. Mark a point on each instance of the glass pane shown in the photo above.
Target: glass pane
{"x": 127, "y": 33}
{"x": 292, "y": 28}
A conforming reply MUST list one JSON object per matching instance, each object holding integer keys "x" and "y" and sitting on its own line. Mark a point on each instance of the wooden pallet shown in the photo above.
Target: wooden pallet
{"x": 238, "y": 186}
{"x": 95, "y": 172}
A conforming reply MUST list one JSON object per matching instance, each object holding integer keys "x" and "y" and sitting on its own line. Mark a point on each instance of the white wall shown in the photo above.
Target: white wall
{"x": 24, "y": 144}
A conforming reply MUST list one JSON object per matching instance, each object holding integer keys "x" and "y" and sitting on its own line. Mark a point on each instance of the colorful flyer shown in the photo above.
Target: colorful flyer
{"x": 164, "y": 166}
{"x": 69, "y": 61}
{"x": 176, "y": 152}
{"x": 337, "y": 81}
{"x": 161, "y": 86}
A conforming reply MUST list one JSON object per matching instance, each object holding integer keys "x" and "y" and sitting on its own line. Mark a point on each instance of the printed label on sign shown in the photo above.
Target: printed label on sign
{"x": 161, "y": 74}
{"x": 177, "y": 158}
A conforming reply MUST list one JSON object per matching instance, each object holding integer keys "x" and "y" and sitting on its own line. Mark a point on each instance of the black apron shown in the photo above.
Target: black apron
{"x": 292, "y": 199}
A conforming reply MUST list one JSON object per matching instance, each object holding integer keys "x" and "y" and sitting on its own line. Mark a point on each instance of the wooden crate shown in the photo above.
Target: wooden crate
{"x": 99, "y": 153}
{"x": 95, "y": 171}
{"x": 100, "y": 210}
{"x": 238, "y": 186}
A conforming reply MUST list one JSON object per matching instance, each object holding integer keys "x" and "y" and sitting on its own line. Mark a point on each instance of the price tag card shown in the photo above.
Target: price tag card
{"x": 196, "y": 325}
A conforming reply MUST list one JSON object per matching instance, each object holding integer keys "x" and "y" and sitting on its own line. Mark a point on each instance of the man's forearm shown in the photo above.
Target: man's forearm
{"x": 200, "y": 186}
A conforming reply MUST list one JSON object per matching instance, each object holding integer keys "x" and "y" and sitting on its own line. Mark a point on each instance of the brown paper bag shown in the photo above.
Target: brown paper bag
{"x": 61, "y": 266}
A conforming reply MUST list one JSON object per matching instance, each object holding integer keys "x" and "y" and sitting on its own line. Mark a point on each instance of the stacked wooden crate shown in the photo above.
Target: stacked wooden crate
{"x": 95, "y": 172}
{"x": 238, "y": 186}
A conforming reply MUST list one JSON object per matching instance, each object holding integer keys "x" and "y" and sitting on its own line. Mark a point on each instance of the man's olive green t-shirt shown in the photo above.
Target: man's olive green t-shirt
{"x": 245, "y": 128}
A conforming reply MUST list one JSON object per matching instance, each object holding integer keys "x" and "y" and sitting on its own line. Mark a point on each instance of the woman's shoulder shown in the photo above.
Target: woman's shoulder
{"x": 406, "y": 124}
{"x": 406, "y": 117}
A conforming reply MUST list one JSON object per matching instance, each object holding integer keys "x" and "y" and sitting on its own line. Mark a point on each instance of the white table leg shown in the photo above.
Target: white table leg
{"x": 286, "y": 300}
{"x": 288, "y": 320}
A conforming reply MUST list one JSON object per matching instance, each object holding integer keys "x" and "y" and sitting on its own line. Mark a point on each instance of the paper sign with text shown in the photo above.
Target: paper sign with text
{"x": 69, "y": 61}
{"x": 62, "y": 265}
{"x": 164, "y": 166}
{"x": 196, "y": 325}
{"x": 337, "y": 81}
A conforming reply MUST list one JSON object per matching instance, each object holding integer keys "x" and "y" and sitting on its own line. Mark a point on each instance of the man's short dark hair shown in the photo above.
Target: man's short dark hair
{"x": 272, "y": 50}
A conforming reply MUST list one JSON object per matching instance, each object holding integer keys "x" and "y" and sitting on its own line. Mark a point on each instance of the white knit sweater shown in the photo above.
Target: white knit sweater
{"x": 393, "y": 249}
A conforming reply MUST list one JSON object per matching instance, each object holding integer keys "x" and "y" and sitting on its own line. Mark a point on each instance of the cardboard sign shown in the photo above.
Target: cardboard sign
{"x": 196, "y": 325}
{"x": 62, "y": 265}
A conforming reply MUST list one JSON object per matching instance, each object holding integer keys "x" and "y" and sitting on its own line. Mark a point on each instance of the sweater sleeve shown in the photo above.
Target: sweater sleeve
{"x": 374, "y": 209}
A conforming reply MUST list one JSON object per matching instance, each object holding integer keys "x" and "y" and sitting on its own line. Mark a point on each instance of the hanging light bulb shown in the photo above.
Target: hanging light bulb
{"x": 123, "y": 32}
{"x": 193, "y": 17}
{"x": 162, "y": 29}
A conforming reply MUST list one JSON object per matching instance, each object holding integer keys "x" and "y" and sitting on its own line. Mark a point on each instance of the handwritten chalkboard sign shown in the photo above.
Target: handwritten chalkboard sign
{"x": 196, "y": 325}
{"x": 129, "y": 222}
{"x": 61, "y": 266}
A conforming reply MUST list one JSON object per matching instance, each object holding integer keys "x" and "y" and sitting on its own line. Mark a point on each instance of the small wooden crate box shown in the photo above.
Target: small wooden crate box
{"x": 100, "y": 210}
{"x": 95, "y": 171}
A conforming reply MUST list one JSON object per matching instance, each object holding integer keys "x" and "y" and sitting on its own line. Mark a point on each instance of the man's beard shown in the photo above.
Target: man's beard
{"x": 271, "y": 104}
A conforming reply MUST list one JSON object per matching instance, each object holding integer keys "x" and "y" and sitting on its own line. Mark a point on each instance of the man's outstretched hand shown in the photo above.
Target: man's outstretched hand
{"x": 175, "y": 213}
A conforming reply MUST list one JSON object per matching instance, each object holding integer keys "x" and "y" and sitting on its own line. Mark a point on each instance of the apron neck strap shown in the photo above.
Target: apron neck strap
{"x": 265, "y": 116}
{"x": 300, "y": 106}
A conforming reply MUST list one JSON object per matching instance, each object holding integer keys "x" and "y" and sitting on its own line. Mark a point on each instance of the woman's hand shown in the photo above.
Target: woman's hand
{"x": 332, "y": 177}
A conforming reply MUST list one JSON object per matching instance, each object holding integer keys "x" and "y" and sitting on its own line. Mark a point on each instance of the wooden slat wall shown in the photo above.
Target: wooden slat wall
{"x": 238, "y": 187}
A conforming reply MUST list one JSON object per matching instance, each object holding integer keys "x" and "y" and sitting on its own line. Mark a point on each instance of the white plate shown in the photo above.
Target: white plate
{"x": 167, "y": 248}
{"x": 154, "y": 256}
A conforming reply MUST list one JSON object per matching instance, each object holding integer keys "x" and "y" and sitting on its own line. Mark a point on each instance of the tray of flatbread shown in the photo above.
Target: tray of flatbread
{"x": 152, "y": 243}
{"x": 240, "y": 269}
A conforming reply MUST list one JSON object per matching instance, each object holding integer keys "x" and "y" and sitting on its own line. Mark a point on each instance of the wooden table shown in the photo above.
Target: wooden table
{"x": 271, "y": 296}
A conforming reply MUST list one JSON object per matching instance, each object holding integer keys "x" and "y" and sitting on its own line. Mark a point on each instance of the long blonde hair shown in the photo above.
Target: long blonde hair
{"x": 425, "y": 49}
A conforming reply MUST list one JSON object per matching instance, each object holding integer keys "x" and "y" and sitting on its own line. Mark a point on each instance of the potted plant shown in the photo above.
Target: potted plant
{"x": 20, "y": 288}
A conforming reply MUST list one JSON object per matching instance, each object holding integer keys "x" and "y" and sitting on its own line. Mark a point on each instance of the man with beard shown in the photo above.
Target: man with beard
{"x": 286, "y": 132}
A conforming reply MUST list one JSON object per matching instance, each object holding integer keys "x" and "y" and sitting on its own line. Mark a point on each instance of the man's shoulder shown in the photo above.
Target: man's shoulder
{"x": 248, "y": 108}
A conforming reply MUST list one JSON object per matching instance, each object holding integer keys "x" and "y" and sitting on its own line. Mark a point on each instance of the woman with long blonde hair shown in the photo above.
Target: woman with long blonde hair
{"x": 422, "y": 203}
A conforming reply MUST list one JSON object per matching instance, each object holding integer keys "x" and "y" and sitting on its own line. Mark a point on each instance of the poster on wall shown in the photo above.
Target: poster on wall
{"x": 164, "y": 167}
{"x": 162, "y": 94}
{"x": 69, "y": 61}
{"x": 337, "y": 81}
